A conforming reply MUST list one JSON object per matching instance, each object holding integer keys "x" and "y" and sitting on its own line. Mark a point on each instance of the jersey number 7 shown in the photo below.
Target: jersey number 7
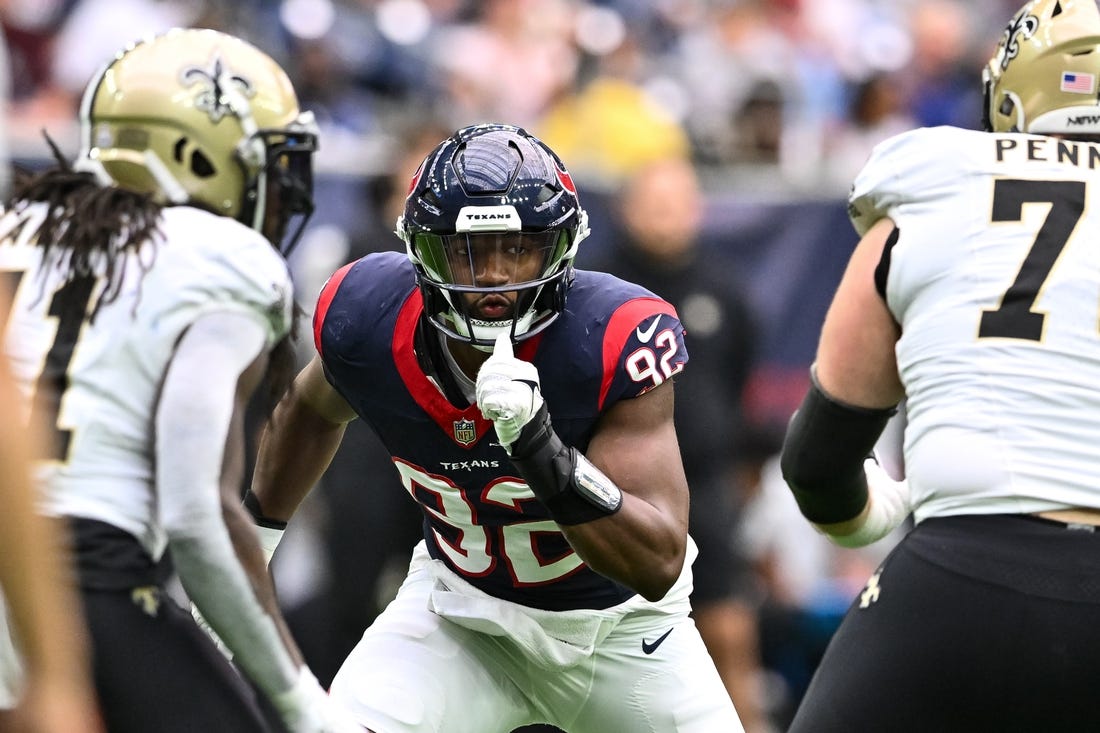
{"x": 1015, "y": 318}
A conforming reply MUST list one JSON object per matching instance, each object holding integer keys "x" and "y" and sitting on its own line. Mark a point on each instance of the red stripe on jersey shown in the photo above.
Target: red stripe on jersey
{"x": 423, "y": 392}
{"x": 623, "y": 321}
{"x": 328, "y": 292}
{"x": 526, "y": 349}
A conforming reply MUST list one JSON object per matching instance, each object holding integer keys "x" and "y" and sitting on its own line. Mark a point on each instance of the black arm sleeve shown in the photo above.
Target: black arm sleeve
{"x": 823, "y": 453}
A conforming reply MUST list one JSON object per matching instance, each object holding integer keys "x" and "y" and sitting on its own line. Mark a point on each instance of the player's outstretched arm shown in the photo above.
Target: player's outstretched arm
{"x": 623, "y": 505}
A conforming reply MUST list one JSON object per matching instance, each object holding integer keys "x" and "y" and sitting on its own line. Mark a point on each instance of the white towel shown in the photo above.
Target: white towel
{"x": 552, "y": 639}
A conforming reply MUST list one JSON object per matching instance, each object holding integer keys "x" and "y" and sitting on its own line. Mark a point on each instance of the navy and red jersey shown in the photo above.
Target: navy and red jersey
{"x": 614, "y": 341}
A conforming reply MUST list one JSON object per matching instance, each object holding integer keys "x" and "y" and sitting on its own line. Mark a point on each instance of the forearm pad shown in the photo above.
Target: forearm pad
{"x": 567, "y": 484}
{"x": 823, "y": 453}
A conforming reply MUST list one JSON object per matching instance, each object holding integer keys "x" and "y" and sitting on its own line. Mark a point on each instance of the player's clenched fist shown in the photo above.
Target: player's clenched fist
{"x": 508, "y": 391}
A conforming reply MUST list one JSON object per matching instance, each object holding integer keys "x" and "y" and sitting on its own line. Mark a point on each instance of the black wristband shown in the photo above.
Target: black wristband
{"x": 252, "y": 504}
{"x": 570, "y": 487}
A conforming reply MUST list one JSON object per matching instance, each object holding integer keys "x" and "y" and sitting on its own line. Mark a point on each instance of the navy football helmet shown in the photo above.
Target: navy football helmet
{"x": 492, "y": 222}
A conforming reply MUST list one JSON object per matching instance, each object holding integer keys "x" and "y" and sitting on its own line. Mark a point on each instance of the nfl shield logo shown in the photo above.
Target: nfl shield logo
{"x": 465, "y": 431}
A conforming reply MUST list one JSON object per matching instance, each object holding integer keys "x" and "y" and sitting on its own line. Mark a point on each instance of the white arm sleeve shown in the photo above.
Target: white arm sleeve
{"x": 192, "y": 424}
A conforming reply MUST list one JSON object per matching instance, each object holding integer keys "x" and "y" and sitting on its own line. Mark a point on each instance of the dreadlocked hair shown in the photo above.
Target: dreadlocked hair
{"x": 88, "y": 228}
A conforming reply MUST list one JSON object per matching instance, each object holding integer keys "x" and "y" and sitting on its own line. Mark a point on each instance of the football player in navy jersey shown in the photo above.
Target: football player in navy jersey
{"x": 973, "y": 295}
{"x": 528, "y": 410}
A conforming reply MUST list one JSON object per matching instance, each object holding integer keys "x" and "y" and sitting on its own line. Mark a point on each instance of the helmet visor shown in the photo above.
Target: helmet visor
{"x": 491, "y": 261}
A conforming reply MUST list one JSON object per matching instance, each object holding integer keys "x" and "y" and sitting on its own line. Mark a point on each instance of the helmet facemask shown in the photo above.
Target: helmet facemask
{"x": 281, "y": 192}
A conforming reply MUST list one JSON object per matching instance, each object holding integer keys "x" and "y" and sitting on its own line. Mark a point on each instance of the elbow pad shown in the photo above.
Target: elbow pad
{"x": 823, "y": 453}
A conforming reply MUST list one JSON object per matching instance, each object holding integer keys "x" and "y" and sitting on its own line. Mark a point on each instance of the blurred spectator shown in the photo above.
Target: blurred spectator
{"x": 362, "y": 219}
{"x": 944, "y": 63}
{"x": 757, "y": 126}
{"x": 60, "y": 44}
{"x": 29, "y": 28}
{"x": 509, "y": 63}
{"x": 367, "y": 62}
{"x": 610, "y": 126}
{"x": 757, "y": 85}
{"x": 877, "y": 111}
{"x": 659, "y": 213}
{"x": 388, "y": 191}
{"x": 753, "y": 59}
{"x": 345, "y": 113}
{"x": 95, "y": 29}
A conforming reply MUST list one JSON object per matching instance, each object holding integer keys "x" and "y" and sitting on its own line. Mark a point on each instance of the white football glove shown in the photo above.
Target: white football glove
{"x": 508, "y": 391}
{"x": 307, "y": 708}
{"x": 890, "y": 505}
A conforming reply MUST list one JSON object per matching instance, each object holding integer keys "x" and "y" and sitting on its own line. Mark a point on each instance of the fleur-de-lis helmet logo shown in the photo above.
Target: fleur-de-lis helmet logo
{"x": 213, "y": 97}
{"x": 1020, "y": 28}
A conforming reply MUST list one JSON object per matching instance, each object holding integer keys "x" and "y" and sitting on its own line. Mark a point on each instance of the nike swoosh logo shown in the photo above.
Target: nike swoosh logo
{"x": 650, "y": 647}
{"x": 646, "y": 335}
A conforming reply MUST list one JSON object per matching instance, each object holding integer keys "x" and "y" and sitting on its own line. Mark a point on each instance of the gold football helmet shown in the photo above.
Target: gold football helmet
{"x": 1043, "y": 77}
{"x": 200, "y": 117}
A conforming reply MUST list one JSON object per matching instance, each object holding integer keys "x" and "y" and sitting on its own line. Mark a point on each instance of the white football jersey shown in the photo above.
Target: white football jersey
{"x": 108, "y": 371}
{"x": 995, "y": 281}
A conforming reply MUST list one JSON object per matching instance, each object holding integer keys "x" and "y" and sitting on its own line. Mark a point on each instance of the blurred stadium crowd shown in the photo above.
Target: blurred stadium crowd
{"x": 775, "y": 103}
{"x": 802, "y": 87}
